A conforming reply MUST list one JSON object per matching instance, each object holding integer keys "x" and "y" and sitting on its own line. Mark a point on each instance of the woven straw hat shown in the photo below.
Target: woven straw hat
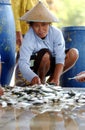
{"x": 39, "y": 13}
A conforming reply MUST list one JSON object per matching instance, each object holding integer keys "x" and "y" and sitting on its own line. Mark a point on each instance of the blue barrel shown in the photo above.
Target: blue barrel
{"x": 7, "y": 41}
{"x": 74, "y": 38}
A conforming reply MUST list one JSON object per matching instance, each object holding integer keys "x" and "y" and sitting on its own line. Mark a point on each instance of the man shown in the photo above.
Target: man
{"x": 47, "y": 45}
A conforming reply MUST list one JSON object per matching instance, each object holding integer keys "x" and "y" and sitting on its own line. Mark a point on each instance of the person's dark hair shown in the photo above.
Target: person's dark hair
{"x": 31, "y": 23}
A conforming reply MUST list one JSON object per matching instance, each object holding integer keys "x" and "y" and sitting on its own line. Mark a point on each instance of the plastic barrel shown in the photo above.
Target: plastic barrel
{"x": 74, "y": 37}
{"x": 7, "y": 41}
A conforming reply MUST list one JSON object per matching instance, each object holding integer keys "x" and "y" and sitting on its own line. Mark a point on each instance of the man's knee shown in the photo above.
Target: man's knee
{"x": 73, "y": 54}
{"x": 46, "y": 57}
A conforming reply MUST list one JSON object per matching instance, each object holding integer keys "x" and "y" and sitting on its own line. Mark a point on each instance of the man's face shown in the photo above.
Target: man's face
{"x": 40, "y": 28}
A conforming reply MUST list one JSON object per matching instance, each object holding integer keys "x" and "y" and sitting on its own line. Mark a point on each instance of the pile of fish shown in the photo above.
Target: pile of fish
{"x": 44, "y": 97}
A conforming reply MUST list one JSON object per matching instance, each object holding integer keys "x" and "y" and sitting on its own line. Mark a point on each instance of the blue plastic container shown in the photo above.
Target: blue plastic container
{"x": 74, "y": 37}
{"x": 7, "y": 41}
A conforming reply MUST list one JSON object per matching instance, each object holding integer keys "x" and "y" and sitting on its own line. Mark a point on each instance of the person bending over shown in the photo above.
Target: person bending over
{"x": 45, "y": 46}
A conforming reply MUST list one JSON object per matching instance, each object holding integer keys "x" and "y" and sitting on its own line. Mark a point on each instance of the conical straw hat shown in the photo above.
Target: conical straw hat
{"x": 39, "y": 13}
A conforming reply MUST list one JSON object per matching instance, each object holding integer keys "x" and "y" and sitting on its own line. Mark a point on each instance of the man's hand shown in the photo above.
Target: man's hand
{"x": 54, "y": 81}
{"x": 1, "y": 91}
{"x": 55, "y": 77}
{"x": 35, "y": 80}
{"x": 81, "y": 76}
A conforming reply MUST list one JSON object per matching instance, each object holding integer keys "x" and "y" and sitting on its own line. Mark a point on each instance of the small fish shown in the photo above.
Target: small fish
{"x": 72, "y": 78}
{"x": 77, "y": 76}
